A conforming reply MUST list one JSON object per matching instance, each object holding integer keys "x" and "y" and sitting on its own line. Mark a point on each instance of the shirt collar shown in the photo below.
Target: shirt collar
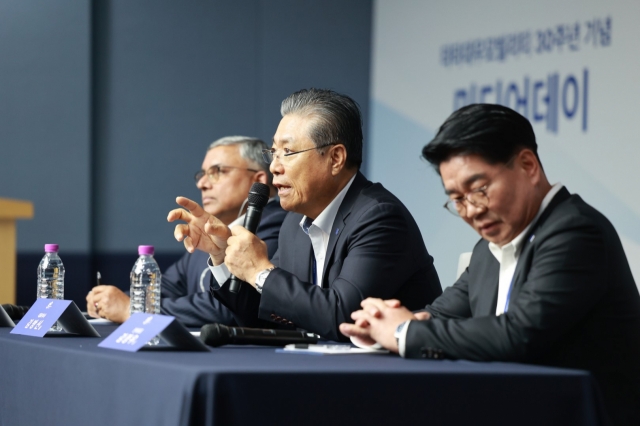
{"x": 325, "y": 219}
{"x": 517, "y": 242}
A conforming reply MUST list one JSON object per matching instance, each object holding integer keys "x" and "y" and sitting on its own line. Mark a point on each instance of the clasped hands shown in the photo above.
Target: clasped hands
{"x": 377, "y": 322}
{"x": 244, "y": 254}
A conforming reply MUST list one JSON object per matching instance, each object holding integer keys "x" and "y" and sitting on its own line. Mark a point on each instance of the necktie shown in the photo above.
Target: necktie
{"x": 314, "y": 271}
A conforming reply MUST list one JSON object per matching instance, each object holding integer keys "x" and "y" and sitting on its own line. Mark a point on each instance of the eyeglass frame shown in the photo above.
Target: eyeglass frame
{"x": 202, "y": 173}
{"x": 482, "y": 190}
{"x": 266, "y": 153}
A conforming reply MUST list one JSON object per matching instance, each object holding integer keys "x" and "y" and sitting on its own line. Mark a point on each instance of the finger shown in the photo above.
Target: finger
{"x": 215, "y": 227}
{"x": 352, "y": 330}
{"x": 393, "y": 303}
{"x": 239, "y": 231}
{"x": 374, "y": 307}
{"x": 348, "y": 329}
{"x": 370, "y": 300}
{"x": 231, "y": 241}
{"x": 188, "y": 244}
{"x": 356, "y": 314}
{"x": 99, "y": 289}
{"x": 179, "y": 214}
{"x": 181, "y": 231}
{"x": 423, "y": 315}
{"x": 362, "y": 323}
{"x": 190, "y": 205}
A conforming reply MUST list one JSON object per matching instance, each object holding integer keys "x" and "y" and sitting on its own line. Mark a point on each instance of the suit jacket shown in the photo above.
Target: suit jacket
{"x": 185, "y": 284}
{"x": 574, "y": 303}
{"x": 375, "y": 250}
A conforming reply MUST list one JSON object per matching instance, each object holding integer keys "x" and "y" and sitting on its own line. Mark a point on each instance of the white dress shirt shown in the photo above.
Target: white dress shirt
{"x": 320, "y": 230}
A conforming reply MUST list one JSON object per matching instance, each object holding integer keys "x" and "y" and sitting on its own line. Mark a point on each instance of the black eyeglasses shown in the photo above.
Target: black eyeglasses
{"x": 269, "y": 154}
{"x": 213, "y": 172}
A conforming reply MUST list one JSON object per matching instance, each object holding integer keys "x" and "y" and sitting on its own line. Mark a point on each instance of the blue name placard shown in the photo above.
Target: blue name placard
{"x": 135, "y": 332}
{"x": 41, "y": 317}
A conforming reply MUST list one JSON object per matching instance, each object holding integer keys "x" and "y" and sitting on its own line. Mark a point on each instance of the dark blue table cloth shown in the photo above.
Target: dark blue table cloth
{"x": 65, "y": 380}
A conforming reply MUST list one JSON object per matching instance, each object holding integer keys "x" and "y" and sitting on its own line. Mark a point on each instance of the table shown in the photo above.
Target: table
{"x": 68, "y": 380}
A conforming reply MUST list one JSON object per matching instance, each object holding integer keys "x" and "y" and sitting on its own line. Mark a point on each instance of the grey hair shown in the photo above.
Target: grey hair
{"x": 338, "y": 119}
{"x": 250, "y": 150}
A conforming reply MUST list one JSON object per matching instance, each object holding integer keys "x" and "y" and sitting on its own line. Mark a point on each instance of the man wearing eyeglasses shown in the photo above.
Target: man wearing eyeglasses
{"x": 231, "y": 165}
{"x": 548, "y": 283}
{"x": 345, "y": 238}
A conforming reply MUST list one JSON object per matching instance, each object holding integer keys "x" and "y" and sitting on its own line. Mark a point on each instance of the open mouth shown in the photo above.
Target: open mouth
{"x": 283, "y": 190}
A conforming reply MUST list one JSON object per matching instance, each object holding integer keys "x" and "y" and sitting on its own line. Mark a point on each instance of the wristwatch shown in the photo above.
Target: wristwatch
{"x": 399, "y": 331}
{"x": 261, "y": 278}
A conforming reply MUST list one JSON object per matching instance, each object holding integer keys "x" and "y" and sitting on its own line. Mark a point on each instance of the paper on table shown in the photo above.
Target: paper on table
{"x": 329, "y": 350}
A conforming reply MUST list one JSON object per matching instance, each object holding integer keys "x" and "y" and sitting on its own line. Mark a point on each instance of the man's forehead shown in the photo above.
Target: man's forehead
{"x": 461, "y": 171}
{"x": 223, "y": 154}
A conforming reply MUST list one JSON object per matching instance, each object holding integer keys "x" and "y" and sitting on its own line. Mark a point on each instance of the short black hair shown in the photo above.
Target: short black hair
{"x": 338, "y": 119}
{"x": 494, "y": 132}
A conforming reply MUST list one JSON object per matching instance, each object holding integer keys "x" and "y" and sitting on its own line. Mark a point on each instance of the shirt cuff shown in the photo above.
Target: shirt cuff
{"x": 403, "y": 338}
{"x": 220, "y": 273}
{"x": 363, "y": 346}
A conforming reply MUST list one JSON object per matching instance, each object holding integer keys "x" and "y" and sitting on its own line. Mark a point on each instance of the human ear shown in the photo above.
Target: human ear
{"x": 261, "y": 177}
{"x": 338, "y": 156}
{"x": 527, "y": 161}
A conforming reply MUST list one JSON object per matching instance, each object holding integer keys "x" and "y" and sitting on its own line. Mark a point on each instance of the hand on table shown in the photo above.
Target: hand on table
{"x": 108, "y": 302}
{"x": 377, "y": 322}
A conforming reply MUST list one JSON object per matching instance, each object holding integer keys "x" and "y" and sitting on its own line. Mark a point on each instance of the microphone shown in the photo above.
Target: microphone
{"x": 15, "y": 312}
{"x": 217, "y": 335}
{"x": 258, "y": 198}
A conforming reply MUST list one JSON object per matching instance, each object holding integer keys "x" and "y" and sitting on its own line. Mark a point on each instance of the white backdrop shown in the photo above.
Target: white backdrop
{"x": 572, "y": 68}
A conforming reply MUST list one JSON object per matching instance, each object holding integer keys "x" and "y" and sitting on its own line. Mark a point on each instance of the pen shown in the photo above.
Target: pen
{"x": 98, "y": 276}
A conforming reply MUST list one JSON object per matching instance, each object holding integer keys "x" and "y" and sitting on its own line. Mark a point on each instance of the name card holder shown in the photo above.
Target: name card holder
{"x": 140, "y": 328}
{"x": 5, "y": 319}
{"x": 45, "y": 312}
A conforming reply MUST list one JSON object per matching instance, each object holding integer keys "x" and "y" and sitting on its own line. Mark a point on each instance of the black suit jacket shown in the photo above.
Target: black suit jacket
{"x": 185, "y": 284}
{"x": 574, "y": 303}
{"x": 375, "y": 250}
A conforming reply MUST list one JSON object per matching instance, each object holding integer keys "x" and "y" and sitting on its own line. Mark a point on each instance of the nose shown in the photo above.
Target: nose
{"x": 203, "y": 183}
{"x": 276, "y": 166}
{"x": 473, "y": 210}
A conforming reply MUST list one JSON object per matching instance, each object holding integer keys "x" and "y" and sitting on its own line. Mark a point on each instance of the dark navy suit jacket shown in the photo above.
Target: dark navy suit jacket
{"x": 375, "y": 250}
{"x": 185, "y": 284}
{"x": 574, "y": 303}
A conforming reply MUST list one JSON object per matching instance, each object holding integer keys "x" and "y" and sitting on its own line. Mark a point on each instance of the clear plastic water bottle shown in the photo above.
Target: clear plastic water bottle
{"x": 51, "y": 277}
{"x": 145, "y": 285}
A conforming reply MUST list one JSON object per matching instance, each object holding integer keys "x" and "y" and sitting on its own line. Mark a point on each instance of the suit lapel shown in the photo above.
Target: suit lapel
{"x": 341, "y": 219}
{"x": 487, "y": 269}
{"x": 302, "y": 250}
{"x": 524, "y": 260}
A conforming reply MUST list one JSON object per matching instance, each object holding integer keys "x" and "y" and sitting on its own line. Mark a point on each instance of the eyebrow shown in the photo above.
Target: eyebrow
{"x": 471, "y": 179}
{"x": 282, "y": 142}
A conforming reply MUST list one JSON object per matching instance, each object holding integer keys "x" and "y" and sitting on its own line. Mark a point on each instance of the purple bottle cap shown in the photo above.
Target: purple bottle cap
{"x": 147, "y": 250}
{"x": 50, "y": 248}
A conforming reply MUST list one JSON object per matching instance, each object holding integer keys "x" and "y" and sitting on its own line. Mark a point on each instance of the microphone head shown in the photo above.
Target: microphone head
{"x": 258, "y": 195}
{"x": 214, "y": 334}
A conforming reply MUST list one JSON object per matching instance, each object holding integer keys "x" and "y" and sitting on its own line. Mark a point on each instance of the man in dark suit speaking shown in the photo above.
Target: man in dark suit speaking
{"x": 548, "y": 283}
{"x": 345, "y": 238}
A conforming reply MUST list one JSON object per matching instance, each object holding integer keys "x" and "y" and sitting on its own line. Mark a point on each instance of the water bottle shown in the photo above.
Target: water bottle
{"x": 51, "y": 277}
{"x": 145, "y": 285}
